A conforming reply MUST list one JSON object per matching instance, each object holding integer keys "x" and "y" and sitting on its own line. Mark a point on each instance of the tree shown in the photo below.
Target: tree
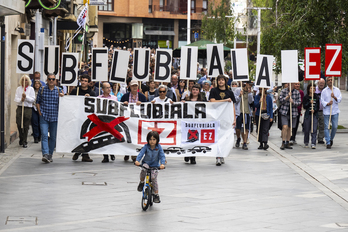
{"x": 304, "y": 24}
{"x": 215, "y": 24}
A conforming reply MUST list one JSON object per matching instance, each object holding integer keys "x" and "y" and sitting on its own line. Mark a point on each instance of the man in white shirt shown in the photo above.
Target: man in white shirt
{"x": 330, "y": 97}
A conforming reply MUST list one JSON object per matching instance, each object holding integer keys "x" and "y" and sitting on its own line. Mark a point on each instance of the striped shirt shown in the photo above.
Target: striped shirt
{"x": 49, "y": 102}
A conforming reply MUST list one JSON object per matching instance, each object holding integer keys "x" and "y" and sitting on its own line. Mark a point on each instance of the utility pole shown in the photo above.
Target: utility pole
{"x": 259, "y": 24}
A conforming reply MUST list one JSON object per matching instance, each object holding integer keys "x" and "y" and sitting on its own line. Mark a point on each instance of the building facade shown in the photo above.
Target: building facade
{"x": 149, "y": 23}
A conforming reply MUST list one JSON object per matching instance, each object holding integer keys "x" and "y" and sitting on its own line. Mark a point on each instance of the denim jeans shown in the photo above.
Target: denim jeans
{"x": 35, "y": 124}
{"x": 334, "y": 122}
{"x": 47, "y": 147}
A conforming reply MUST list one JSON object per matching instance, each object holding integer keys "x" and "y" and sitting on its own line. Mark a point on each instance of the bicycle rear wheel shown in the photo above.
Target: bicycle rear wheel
{"x": 146, "y": 199}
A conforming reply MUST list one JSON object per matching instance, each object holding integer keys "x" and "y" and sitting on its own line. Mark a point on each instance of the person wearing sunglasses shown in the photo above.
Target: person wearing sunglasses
{"x": 47, "y": 104}
{"x": 162, "y": 91}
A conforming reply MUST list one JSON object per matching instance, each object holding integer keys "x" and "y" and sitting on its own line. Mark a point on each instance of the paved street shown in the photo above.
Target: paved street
{"x": 292, "y": 190}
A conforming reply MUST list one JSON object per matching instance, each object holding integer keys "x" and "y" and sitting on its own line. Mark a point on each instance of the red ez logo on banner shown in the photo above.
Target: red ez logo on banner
{"x": 167, "y": 131}
{"x": 208, "y": 136}
{"x": 312, "y": 64}
{"x": 333, "y": 60}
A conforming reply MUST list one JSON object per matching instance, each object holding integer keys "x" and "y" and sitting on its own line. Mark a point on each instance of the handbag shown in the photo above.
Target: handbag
{"x": 264, "y": 116}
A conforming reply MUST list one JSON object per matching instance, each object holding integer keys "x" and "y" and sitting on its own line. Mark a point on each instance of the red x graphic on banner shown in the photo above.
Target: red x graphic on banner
{"x": 104, "y": 126}
{"x": 193, "y": 134}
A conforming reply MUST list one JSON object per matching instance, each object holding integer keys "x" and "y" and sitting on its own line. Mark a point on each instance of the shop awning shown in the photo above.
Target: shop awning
{"x": 155, "y": 32}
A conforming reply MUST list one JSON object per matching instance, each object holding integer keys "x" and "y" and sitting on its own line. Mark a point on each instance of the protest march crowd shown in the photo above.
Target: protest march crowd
{"x": 314, "y": 106}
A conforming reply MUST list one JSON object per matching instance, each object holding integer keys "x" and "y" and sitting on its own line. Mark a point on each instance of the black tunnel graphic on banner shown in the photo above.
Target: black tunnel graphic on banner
{"x": 102, "y": 139}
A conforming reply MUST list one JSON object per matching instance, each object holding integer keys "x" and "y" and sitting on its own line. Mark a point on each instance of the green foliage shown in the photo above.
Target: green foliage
{"x": 216, "y": 26}
{"x": 304, "y": 24}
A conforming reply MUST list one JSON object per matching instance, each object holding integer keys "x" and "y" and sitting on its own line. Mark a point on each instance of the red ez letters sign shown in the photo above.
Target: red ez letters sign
{"x": 312, "y": 64}
{"x": 333, "y": 60}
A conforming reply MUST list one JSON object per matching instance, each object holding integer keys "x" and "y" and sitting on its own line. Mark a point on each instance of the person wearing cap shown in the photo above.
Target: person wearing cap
{"x": 133, "y": 97}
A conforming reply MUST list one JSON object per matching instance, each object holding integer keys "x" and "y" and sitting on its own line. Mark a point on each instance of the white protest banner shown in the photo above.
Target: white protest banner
{"x": 264, "y": 71}
{"x": 188, "y": 63}
{"x": 289, "y": 66}
{"x": 25, "y": 56}
{"x": 104, "y": 126}
{"x": 240, "y": 67}
{"x": 100, "y": 64}
{"x": 69, "y": 70}
{"x": 51, "y": 61}
{"x": 215, "y": 59}
{"x": 312, "y": 64}
{"x": 163, "y": 65}
{"x": 119, "y": 66}
{"x": 81, "y": 20}
{"x": 333, "y": 60}
{"x": 141, "y": 64}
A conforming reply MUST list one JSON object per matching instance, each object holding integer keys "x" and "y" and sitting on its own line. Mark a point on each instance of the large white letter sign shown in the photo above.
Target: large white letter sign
{"x": 215, "y": 59}
{"x": 188, "y": 64}
{"x": 163, "y": 65}
{"x": 119, "y": 66}
{"x": 333, "y": 60}
{"x": 99, "y": 64}
{"x": 264, "y": 71}
{"x": 51, "y": 61}
{"x": 312, "y": 64}
{"x": 25, "y": 56}
{"x": 289, "y": 66}
{"x": 141, "y": 64}
{"x": 240, "y": 68}
{"x": 69, "y": 72}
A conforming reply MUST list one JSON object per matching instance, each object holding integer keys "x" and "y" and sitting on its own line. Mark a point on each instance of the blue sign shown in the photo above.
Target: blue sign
{"x": 196, "y": 35}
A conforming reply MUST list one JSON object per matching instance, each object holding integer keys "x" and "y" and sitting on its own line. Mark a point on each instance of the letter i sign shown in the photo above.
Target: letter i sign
{"x": 207, "y": 136}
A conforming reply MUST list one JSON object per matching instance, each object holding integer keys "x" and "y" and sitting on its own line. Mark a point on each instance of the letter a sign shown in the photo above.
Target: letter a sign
{"x": 333, "y": 60}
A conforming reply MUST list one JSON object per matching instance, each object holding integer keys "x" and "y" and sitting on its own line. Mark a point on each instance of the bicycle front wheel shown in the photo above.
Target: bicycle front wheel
{"x": 146, "y": 200}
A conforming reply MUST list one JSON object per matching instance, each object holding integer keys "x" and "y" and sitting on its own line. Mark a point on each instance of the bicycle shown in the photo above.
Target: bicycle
{"x": 147, "y": 193}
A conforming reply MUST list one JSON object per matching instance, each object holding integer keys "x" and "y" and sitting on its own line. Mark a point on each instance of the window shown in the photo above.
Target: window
{"x": 150, "y": 6}
{"x": 193, "y": 6}
{"x": 109, "y": 6}
{"x": 161, "y": 5}
{"x": 205, "y": 6}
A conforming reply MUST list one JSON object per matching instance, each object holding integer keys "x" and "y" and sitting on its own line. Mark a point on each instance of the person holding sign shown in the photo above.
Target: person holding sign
{"x": 222, "y": 94}
{"x": 162, "y": 90}
{"x": 242, "y": 126}
{"x": 266, "y": 116}
{"x": 133, "y": 97}
{"x": 47, "y": 104}
{"x": 308, "y": 103}
{"x": 83, "y": 90}
{"x": 25, "y": 96}
{"x": 288, "y": 96}
{"x": 330, "y": 97}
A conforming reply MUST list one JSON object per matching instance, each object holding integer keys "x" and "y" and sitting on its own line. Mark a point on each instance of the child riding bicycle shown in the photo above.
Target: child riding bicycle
{"x": 152, "y": 155}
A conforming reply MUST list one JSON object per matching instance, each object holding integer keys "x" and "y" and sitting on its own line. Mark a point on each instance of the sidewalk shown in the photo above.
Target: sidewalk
{"x": 291, "y": 190}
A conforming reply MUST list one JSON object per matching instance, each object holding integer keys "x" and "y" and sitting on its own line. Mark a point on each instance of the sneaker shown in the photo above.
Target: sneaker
{"x": 282, "y": 147}
{"x": 313, "y": 146}
{"x": 112, "y": 157}
{"x": 328, "y": 146}
{"x": 331, "y": 143}
{"x": 75, "y": 156}
{"x": 222, "y": 160}
{"x": 306, "y": 145}
{"x": 260, "y": 147}
{"x": 291, "y": 142}
{"x": 193, "y": 160}
{"x": 134, "y": 158}
{"x": 245, "y": 146}
{"x": 237, "y": 142}
{"x": 218, "y": 161}
{"x": 321, "y": 142}
{"x": 187, "y": 159}
{"x": 36, "y": 140}
{"x": 106, "y": 159}
{"x": 266, "y": 147}
{"x": 287, "y": 146}
{"x": 294, "y": 141}
{"x": 140, "y": 186}
{"x": 126, "y": 158}
{"x": 156, "y": 198}
{"x": 45, "y": 159}
{"x": 86, "y": 158}
{"x": 50, "y": 158}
